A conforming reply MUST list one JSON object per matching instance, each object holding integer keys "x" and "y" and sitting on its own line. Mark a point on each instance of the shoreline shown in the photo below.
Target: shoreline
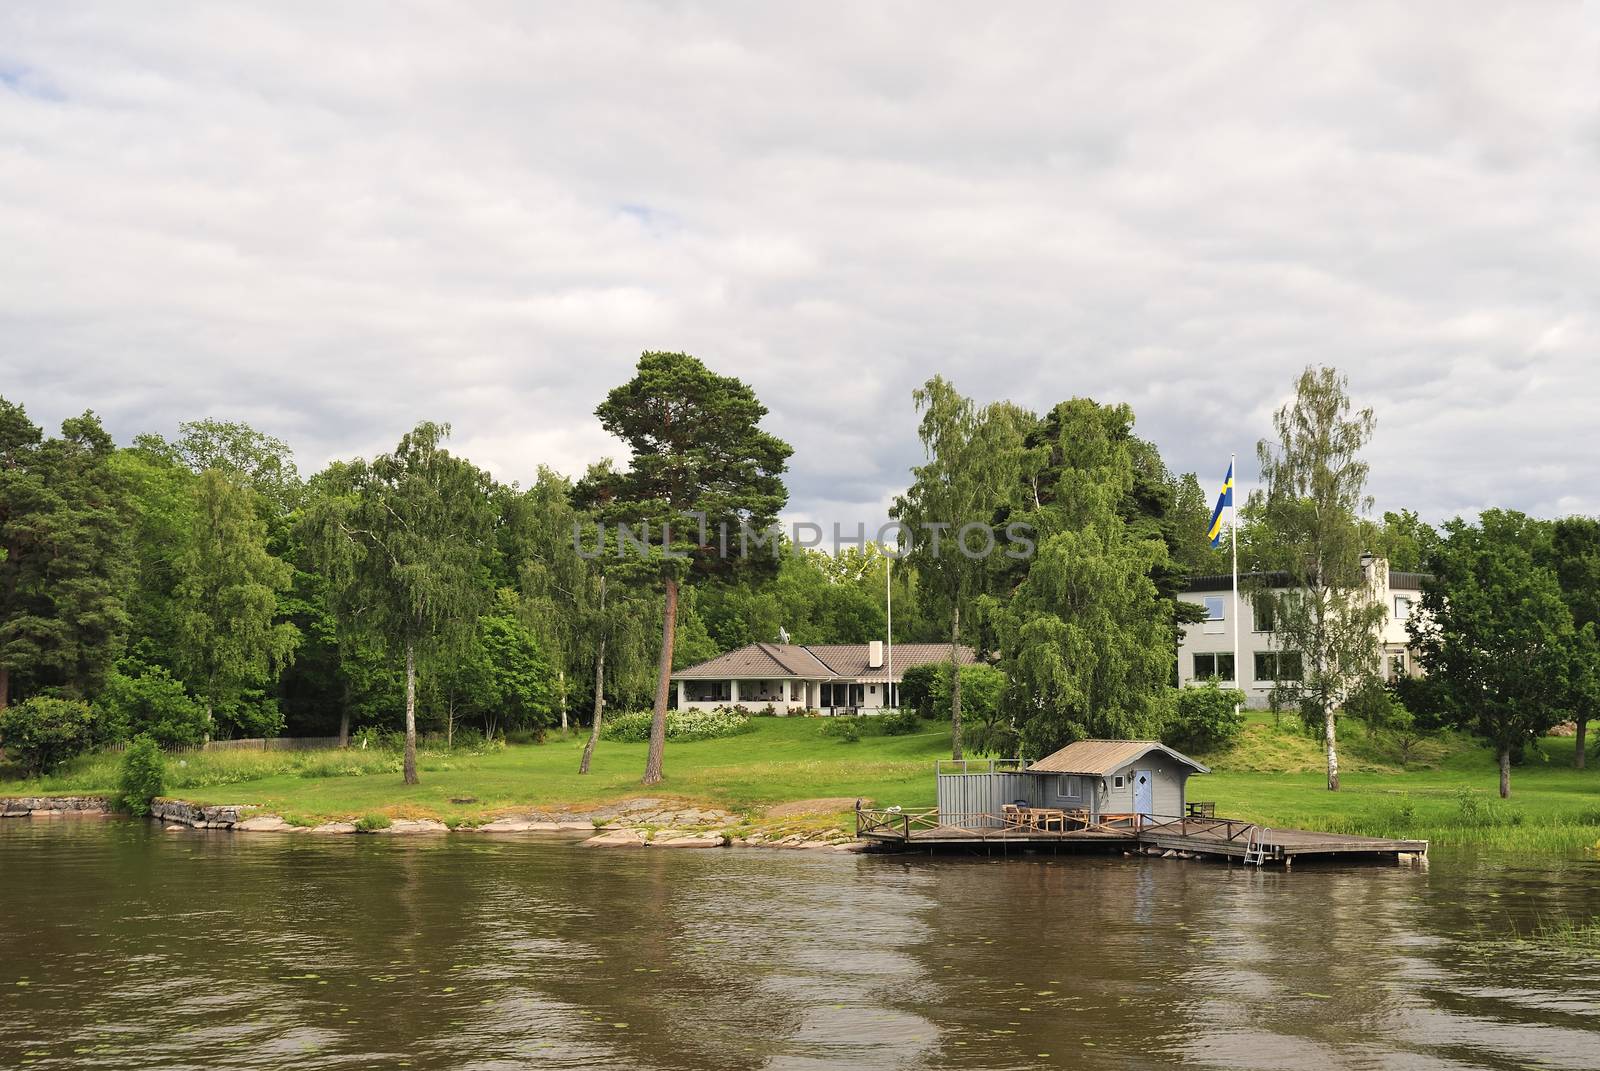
{"x": 635, "y": 823}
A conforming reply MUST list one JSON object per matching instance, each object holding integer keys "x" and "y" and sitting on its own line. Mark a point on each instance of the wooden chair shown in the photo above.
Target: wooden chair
{"x": 1200, "y": 809}
{"x": 1011, "y": 815}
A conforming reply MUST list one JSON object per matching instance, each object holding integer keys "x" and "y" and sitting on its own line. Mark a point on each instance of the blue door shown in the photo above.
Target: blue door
{"x": 1141, "y": 792}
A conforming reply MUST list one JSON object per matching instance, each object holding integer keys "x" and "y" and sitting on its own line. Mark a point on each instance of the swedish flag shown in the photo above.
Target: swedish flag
{"x": 1225, "y": 499}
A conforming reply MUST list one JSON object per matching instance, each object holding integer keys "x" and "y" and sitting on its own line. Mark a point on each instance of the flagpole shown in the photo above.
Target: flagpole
{"x": 888, "y": 626}
{"x": 1233, "y": 533}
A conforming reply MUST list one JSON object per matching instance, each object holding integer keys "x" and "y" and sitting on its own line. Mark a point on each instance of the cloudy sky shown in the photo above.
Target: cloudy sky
{"x": 333, "y": 220}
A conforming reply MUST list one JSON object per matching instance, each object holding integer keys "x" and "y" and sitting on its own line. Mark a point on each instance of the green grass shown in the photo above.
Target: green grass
{"x": 1273, "y": 776}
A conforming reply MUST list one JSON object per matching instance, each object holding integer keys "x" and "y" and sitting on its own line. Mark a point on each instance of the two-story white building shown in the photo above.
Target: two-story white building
{"x": 1206, "y": 649}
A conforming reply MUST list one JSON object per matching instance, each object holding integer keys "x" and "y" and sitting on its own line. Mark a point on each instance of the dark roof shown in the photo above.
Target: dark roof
{"x": 831, "y": 661}
{"x": 1224, "y": 581}
{"x": 1100, "y": 757}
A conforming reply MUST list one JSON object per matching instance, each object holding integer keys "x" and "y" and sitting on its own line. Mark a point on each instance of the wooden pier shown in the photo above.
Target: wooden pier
{"x": 1205, "y": 837}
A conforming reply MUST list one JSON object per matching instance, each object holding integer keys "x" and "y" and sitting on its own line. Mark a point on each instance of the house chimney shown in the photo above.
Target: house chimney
{"x": 875, "y": 654}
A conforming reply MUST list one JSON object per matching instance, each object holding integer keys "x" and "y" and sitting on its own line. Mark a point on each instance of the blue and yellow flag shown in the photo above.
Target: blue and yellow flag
{"x": 1223, "y": 500}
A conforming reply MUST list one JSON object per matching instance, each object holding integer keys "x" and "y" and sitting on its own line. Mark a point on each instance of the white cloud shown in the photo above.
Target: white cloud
{"x": 334, "y": 221}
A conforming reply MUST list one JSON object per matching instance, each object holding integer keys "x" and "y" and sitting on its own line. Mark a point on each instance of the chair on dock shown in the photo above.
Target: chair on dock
{"x": 1011, "y": 816}
{"x": 1200, "y": 809}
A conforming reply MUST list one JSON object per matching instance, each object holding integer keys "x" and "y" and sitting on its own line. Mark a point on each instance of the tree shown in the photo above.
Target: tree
{"x": 973, "y": 460}
{"x": 147, "y": 700}
{"x": 1326, "y": 612}
{"x": 64, "y": 525}
{"x": 1404, "y": 540}
{"x": 404, "y": 540}
{"x": 230, "y": 639}
{"x": 1495, "y": 635}
{"x": 43, "y": 732}
{"x": 700, "y": 466}
{"x": 1087, "y": 638}
{"x": 1575, "y": 557}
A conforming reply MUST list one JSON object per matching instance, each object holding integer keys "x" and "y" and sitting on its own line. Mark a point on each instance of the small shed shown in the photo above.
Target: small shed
{"x": 1114, "y": 777}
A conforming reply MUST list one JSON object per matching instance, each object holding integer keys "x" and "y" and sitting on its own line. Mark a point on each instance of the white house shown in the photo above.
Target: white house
{"x": 1206, "y": 649}
{"x": 790, "y": 677}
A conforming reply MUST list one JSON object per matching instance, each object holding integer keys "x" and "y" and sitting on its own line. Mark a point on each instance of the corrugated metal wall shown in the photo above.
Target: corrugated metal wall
{"x": 964, "y": 797}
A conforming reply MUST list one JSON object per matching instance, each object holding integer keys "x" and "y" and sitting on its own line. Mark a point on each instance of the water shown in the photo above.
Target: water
{"x": 210, "y": 950}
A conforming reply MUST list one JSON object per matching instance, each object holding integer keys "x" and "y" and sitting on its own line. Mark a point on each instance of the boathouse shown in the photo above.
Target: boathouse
{"x": 1090, "y": 779}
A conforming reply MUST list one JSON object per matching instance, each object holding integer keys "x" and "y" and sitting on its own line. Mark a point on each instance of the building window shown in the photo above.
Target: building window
{"x": 1278, "y": 666}
{"x": 872, "y": 689}
{"x": 1213, "y": 605}
{"x": 1265, "y": 615}
{"x": 1207, "y": 666}
{"x": 1402, "y": 607}
{"x": 1067, "y": 785}
{"x": 1117, "y": 782}
{"x": 1397, "y": 665}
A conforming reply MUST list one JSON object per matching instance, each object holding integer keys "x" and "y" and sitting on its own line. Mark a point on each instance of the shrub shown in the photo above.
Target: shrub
{"x": 844, "y": 730}
{"x": 682, "y": 725}
{"x": 902, "y": 722}
{"x": 143, "y": 774}
{"x": 525, "y": 736}
{"x": 371, "y": 823}
{"x": 149, "y": 701}
{"x": 41, "y": 733}
{"x": 1204, "y": 717}
{"x": 917, "y": 688}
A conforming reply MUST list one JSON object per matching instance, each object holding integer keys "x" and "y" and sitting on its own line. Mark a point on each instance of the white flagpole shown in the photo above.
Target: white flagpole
{"x": 888, "y": 628}
{"x": 1233, "y": 534}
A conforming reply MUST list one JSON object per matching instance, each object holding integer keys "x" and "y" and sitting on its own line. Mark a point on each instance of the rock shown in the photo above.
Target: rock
{"x": 616, "y": 838}
{"x": 851, "y": 846}
{"x": 687, "y": 840}
{"x": 407, "y": 826}
{"x": 506, "y": 825}
{"x": 630, "y": 806}
{"x": 174, "y": 829}
{"x": 813, "y": 845}
{"x": 335, "y": 827}
{"x": 264, "y": 823}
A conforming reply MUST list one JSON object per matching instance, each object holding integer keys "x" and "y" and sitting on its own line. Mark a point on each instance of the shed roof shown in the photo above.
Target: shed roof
{"x": 1098, "y": 757}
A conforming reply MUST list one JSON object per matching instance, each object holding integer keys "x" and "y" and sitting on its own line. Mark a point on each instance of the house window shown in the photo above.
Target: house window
{"x": 1397, "y": 665}
{"x": 1402, "y": 607}
{"x": 1213, "y": 605}
{"x": 1117, "y": 782}
{"x": 1207, "y": 666}
{"x": 1266, "y": 619}
{"x": 1067, "y": 785}
{"x": 872, "y": 689}
{"x": 1278, "y": 666}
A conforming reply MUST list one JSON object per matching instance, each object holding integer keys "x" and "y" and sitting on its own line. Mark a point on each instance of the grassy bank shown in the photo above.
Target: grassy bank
{"x": 1445, "y": 793}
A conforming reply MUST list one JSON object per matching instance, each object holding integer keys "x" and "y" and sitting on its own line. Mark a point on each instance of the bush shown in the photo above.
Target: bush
{"x": 143, "y": 774}
{"x": 149, "y": 701}
{"x": 917, "y": 688}
{"x": 844, "y": 730}
{"x": 902, "y": 722}
{"x": 41, "y": 733}
{"x": 371, "y": 823}
{"x": 1204, "y": 717}
{"x": 682, "y": 725}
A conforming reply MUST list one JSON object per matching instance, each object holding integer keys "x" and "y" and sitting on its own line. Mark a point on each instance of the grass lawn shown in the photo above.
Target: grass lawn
{"x": 1274, "y": 776}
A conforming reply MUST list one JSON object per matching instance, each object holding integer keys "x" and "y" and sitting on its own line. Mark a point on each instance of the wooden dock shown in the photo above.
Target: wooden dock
{"x": 1217, "y": 838}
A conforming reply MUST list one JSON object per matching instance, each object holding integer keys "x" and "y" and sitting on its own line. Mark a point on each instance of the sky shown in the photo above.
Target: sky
{"x": 333, "y": 221}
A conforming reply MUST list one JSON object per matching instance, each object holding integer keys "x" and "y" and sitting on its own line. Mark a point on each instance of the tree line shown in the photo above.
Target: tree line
{"x": 199, "y": 587}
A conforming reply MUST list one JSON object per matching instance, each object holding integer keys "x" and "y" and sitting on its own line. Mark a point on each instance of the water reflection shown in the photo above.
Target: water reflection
{"x": 130, "y": 948}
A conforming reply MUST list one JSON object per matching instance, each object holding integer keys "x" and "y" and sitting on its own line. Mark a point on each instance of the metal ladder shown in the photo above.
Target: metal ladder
{"x": 1255, "y": 849}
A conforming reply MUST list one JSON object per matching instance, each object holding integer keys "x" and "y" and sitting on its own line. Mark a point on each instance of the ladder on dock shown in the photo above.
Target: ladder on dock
{"x": 1255, "y": 847}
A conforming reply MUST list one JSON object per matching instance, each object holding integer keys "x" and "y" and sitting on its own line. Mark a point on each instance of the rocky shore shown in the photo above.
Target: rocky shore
{"x": 634, "y": 823}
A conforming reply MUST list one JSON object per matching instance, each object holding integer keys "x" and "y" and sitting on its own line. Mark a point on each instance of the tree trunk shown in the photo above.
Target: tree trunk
{"x": 1333, "y": 750}
{"x": 599, "y": 686}
{"x": 1505, "y": 773}
{"x": 344, "y": 716}
{"x": 411, "y": 713}
{"x": 658, "y": 722}
{"x": 1577, "y": 755}
{"x": 206, "y": 737}
{"x": 955, "y": 685}
{"x": 5, "y": 687}
{"x": 561, "y": 677}
{"x": 450, "y": 723}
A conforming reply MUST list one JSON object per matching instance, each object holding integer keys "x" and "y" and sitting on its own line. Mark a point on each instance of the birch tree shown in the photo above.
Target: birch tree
{"x": 1309, "y": 511}
{"x": 972, "y": 463}
{"x": 405, "y": 539}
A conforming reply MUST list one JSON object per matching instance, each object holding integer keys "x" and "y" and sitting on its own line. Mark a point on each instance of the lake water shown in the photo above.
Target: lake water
{"x": 125, "y": 947}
